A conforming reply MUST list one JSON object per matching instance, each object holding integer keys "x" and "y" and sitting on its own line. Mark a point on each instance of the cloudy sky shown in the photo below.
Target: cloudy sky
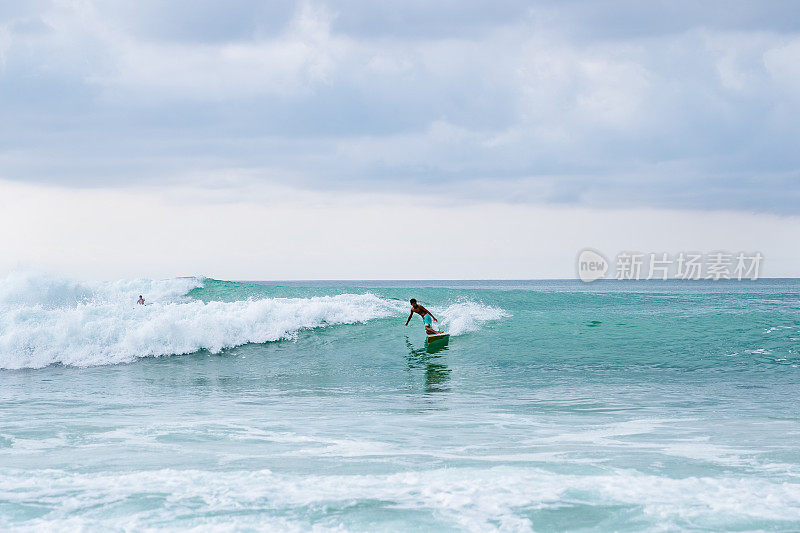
{"x": 340, "y": 136}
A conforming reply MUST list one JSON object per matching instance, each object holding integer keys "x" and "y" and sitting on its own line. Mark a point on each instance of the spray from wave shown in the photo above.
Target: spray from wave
{"x": 47, "y": 320}
{"x": 38, "y": 289}
{"x": 466, "y": 316}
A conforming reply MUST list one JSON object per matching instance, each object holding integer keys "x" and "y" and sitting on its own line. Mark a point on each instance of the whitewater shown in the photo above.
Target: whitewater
{"x": 47, "y": 320}
{"x": 297, "y": 406}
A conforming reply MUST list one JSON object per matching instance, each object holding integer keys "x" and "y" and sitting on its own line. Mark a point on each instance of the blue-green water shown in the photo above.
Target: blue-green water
{"x": 557, "y": 405}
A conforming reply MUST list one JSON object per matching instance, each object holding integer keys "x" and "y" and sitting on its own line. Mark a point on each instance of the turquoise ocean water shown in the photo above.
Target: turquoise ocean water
{"x": 557, "y": 405}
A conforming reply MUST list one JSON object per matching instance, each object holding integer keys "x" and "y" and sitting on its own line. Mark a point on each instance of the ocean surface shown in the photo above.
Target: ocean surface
{"x": 557, "y": 405}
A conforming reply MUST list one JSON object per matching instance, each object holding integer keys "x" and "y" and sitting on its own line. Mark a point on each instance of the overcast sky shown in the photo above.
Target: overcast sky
{"x": 678, "y": 106}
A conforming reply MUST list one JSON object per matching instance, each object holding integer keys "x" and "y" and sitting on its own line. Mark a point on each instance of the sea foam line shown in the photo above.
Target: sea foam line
{"x": 499, "y": 498}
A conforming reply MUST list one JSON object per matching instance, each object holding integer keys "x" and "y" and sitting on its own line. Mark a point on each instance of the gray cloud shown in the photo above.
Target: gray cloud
{"x": 669, "y": 104}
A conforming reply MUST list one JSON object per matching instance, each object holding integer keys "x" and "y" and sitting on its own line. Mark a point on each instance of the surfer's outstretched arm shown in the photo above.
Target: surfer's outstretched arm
{"x": 409, "y": 317}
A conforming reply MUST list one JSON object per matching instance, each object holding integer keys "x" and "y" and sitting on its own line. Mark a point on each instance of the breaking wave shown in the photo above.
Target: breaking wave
{"x": 47, "y": 320}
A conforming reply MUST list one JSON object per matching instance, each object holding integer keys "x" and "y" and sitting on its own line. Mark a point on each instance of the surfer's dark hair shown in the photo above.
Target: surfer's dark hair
{"x": 413, "y": 301}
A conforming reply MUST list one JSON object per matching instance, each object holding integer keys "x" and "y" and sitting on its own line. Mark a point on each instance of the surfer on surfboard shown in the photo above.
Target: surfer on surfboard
{"x": 426, "y": 315}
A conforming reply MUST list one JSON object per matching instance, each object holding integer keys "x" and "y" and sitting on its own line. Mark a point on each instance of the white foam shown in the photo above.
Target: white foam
{"x": 46, "y": 320}
{"x": 32, "y": 288}
{"x": 466, "y": 316}
{"x": 471, "y": 499}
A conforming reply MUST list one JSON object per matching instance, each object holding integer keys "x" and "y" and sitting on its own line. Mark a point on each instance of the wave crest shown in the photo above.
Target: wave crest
{"x": 47, "y": 320}
{"x": 32, "y": 288}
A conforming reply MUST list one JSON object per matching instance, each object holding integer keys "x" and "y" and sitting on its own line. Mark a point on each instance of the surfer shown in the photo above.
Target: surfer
{"x": 426, "y": 317}
{"x": 140, "y": 301}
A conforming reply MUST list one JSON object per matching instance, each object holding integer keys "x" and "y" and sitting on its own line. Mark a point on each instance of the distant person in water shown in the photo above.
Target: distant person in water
{"x": 426, "y": 317}
{"x": 140, "y": 301}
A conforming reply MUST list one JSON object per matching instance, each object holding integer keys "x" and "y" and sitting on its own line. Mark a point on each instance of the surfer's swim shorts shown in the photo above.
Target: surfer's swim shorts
{"x": 427, "y": 320}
